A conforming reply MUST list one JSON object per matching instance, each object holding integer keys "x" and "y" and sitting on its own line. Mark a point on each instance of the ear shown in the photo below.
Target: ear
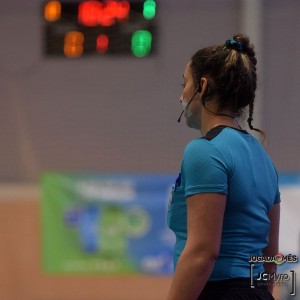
{"x": 203, "y": 88}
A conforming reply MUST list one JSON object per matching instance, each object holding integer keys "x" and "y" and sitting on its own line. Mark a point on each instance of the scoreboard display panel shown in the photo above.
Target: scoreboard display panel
{"x": 111, "y": 27}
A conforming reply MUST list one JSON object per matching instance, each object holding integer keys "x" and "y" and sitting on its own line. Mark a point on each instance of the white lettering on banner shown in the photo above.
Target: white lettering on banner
{"x": 112, "y": 190}
{"x": 100, "y": 265}
{"x": 153, "y": 264}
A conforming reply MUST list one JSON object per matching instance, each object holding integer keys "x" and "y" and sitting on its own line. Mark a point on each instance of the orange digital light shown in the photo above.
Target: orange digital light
{"x": 73, "y": 44}
{"x": 102, "y": 43}
{"x": 52, "y": 11}
{"x": 94, "y": 13}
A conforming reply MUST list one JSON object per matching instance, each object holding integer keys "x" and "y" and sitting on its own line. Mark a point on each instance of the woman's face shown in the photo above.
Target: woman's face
{"x": 189, "y": 93}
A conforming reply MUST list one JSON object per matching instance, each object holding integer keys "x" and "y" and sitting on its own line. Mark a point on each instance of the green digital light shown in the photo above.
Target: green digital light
{"x": 149, "y": 10}
{"x": 141, "y": 42}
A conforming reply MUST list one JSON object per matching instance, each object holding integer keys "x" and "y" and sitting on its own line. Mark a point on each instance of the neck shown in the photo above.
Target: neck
{"x": 217, "y": 120}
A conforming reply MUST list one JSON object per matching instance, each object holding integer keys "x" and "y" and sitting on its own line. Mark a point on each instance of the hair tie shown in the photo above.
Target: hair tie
{"x": 233, "y": 44}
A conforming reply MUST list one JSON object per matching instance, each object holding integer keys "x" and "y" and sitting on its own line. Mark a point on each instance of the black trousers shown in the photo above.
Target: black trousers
{"x": 235, "y": 289}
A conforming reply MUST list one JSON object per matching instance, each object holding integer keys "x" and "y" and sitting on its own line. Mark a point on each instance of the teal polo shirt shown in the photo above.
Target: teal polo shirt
{"x": 230, "y": 162}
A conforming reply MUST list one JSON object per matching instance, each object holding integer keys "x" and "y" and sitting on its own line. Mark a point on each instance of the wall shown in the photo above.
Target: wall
{"x": 119, "y": 114}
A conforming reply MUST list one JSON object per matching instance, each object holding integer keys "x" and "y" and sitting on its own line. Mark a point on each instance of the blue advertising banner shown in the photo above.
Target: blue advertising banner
{"x": 109, "y": 224}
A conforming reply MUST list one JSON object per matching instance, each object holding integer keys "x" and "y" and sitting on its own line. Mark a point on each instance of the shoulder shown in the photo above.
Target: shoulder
{"x": 204, "y": 153}
{"x": 204, "y": 168}
{"x": 199, "y": 148}
{"x": 206, "y": 146}
{"x": 219, "y": 145}
{"x": 196, "y": 144}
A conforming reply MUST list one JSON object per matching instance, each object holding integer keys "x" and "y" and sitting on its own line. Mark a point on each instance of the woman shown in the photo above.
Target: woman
{"x": 225, "y": 205}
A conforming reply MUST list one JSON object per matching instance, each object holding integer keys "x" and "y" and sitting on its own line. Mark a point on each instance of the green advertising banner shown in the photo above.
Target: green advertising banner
{"x": 107, "y": 224}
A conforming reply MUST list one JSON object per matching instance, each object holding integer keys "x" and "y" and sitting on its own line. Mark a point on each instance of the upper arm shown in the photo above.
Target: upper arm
{"x": 274, "y": 217}
{"x": 272, "y": 249}
{"x": 205, "y": 176}
{"x": 205, "y": 214}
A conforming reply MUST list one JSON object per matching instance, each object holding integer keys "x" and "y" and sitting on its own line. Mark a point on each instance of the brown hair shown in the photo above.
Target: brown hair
{"x": 231, "y": 69}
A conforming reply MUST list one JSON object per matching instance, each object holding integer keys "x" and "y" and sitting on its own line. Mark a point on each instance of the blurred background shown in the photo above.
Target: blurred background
{"x": 115, "y": 110}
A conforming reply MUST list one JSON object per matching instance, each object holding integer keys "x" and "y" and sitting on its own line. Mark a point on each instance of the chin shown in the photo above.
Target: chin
{"x": 191, "y": 124}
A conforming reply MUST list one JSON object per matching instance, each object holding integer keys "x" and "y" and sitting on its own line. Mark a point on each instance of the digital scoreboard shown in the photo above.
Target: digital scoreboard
{"x": 111, "y": 27}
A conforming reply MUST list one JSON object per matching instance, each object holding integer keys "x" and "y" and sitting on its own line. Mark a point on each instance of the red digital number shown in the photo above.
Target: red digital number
{"x": 102, "y": 43}
{"x": 94, "y": 13}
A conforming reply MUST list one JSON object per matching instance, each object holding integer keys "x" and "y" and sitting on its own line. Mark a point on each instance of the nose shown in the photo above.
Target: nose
{"x": 181, "y": 98}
